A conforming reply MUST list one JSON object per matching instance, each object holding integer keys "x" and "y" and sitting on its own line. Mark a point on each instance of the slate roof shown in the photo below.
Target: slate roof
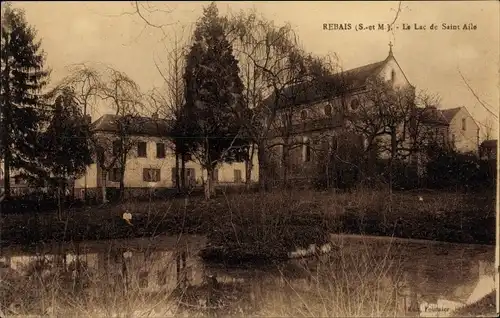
{"x": 431, "y": 115}
{"x": 135, "y": 125}
{"x": 448, "y": 114}
{"x": 329, "y": 86}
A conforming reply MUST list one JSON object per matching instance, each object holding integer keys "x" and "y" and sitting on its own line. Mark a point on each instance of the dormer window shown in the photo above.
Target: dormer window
{"x": 303, "y": 114}
{"x": 354, "y": 104}
{"x": 328, "y": 110}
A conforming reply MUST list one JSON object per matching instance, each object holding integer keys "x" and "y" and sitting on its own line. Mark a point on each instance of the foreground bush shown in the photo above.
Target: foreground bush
{"x": 289, "y": 217}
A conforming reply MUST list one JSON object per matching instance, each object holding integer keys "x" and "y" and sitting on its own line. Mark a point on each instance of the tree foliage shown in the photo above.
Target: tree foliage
{"x": 23, "y": 76}
{"x": 213, "y": 93}
{"x": 65, "y": 148}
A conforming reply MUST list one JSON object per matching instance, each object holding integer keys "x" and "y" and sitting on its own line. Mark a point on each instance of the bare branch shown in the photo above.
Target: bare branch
{"x": 476, "y": 96}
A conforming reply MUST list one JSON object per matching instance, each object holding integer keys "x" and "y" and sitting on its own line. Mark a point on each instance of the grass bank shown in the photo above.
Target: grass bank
{"x": 263, "y": 218}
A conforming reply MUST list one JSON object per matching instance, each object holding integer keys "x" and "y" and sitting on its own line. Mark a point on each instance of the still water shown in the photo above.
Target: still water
{"x": 164, "y": 276}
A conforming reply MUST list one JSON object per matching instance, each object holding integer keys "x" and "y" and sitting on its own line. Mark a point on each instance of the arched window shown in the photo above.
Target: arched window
{"x": 328, "y": 110}
{"x": 354, "y": 104}
{"x": 393, "y": 75}
{"x": 303, "y": 114}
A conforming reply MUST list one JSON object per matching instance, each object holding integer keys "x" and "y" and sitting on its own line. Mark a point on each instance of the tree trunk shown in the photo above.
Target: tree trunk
{"x": 122, "y": 181}
{"x": 6, "y": 131}
{"x": 249, "y": 168}
{"x": 59, "y": 208}
{"x": 177, "y": 179}
{"x": 392, "y": 158}
{"x": 103, "y": 186}
{"x": 208, "y": 184}
{"x": 183, "y": 172}
{"x": 284, "y": 164}
{"x": 263, "y": 169}
{"x": 209, "y": 188}
{"x": 6, "y": 169}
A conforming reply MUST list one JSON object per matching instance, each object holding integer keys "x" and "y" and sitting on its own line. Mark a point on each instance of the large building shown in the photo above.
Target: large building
{"x": 314, "y": 121}
{"x": 311, "y": 120}
{"x": 150, "y": 159}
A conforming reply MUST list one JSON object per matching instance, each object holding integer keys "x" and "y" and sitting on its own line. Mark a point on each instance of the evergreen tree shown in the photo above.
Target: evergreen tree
{"x": 213, "y": 92}
{"x": 65, "y": 144}
{"x": 22, "y": 78}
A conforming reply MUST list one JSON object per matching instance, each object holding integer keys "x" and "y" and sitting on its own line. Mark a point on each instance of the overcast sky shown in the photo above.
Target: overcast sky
{"x": 74, "y": 32}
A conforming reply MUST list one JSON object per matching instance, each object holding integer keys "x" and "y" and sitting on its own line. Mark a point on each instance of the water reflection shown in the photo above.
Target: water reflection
{"x": 164, "y": 276}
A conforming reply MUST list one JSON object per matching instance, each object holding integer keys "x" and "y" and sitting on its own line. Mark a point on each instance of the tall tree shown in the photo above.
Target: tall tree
{"x": 169, "y": 102}
{"x": 23, "y": 76}
{"x": 125, "y": 99}
{"x": 213, "y": 90}
{"x": 275, "y": 72}
{"x": 65, "y": 144}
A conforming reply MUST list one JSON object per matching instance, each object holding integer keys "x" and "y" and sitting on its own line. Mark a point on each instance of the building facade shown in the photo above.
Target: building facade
{"x": 312, "y": 122}
{"x": 463, "y": 131}
{"x": 150, "y": 160}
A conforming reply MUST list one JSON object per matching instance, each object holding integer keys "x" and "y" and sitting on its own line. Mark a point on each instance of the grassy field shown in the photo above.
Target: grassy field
{"x": 452, "y": 217}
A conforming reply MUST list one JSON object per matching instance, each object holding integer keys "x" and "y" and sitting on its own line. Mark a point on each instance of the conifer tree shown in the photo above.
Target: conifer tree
{"x": 213, "y": 91}
{"x": 23, "y": 76}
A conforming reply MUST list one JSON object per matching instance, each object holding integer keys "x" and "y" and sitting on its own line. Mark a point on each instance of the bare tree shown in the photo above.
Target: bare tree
{"x": 276, "y": 73}
{"x": 85, "y": 82}
{"x": 125, "y": 98}
{"x": 169, "y": 101}
{"x": 395, "y": 122}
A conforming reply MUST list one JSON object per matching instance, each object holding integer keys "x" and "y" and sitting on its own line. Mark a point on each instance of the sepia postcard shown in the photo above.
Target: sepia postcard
{"x": 249, "y": 158}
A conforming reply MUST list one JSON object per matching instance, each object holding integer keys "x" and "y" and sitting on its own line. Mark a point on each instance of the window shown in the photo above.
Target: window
{"x": 393, "y": 75}
{"x": 141, "y": 149}
{"x": 160, "y": 150}
{"x": 17, "y": 180}
{"x": 464, "y": 127}
{"x": 303, "y": 114}
{"x": 237, "y": 176}
{"x": 116, "y": 148}
{"x": 307, "y": 150}
{"x": 151, "y": 175}
{"x": 354, "y": 104}
{"x": 143, "y": 279}
{"x": 115, "y": 175}
{"x": 328, "y": 110}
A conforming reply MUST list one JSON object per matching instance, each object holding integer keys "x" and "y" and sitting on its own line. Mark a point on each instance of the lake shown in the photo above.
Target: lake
{"x": 164, "y": 276}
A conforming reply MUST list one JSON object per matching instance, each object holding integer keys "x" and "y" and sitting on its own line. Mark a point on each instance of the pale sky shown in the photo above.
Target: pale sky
{"x": 74, "y": 32}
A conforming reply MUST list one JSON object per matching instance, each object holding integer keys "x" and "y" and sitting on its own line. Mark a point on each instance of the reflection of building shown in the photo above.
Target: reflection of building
{"x": 150, "y": 160}
{"x": 159, "y": 265}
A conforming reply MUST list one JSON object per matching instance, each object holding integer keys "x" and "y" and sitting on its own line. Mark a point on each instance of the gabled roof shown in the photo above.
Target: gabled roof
{"x": 448, "y": 114}
{"x": 135, "y": 125}
{"x": 431, "y": 115}
{"x": 358, "y": 76}
{"x": 328, "y": 87}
